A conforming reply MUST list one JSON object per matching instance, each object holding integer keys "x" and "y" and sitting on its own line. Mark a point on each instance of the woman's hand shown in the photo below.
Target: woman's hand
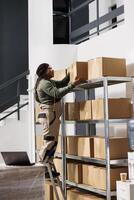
{"x": 77, "y": 81}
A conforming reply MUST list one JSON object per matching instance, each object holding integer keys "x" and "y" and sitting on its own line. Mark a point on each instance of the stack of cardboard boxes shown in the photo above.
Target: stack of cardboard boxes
{"x": 94, "y": 110}
{"x": 94, "y": 147}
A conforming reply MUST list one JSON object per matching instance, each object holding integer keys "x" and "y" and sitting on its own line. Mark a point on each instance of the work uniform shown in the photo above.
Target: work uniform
{"x": 49, "y": 94}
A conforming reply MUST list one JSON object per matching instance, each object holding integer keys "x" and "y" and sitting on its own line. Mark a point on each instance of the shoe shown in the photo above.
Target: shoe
{"x": 54, "y": 174}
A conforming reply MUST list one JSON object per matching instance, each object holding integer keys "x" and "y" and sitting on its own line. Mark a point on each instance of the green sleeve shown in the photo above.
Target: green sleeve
{"x": 55, "y": 92}
{"x": 62, "y": 83}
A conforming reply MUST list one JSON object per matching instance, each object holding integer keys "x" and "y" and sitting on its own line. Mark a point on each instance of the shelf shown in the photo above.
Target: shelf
{"x": 118, "y": 162}
{"x": 89, "y": 188}
{"x": 95, "y": 83}
{"x": 114, "y": 121}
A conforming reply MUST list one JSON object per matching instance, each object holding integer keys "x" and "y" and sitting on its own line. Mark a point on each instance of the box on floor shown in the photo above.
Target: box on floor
{"x": 58, "y": 165}
{"x": 75, "y": 194}
{"x": 58, "y": 148}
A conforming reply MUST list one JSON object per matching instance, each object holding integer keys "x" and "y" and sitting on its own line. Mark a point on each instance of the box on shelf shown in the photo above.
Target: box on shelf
{"x": 72, "y": 111}
{"x": 117, "y": 108}
{"x": 74, "y": 194}
{"x": 86, "y": 146}
{"x": 74, "y": 172}
{"x": 88, "y": 174}
{"x": 85, "y": 110}
{"x": 97, "y": 176}
{"x": 39, "y": 142}
{"x": 60, "y": 74}
{"x": 118, "y": 147}
{"x": 79, "y": 69}
{"x": 104, "y": 66}
{"x": 72, "y": 145}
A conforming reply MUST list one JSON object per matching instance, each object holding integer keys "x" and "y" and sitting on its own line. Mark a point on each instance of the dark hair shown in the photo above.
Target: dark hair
{"x": 41, "y": 70}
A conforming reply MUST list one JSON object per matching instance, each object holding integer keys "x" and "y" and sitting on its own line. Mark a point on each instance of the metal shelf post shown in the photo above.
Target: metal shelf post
{"x": 107, "y": 146}
{"x": 63, "y": 149}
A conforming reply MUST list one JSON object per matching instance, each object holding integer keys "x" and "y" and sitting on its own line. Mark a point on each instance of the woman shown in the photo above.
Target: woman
{"x": 48, "y": 93}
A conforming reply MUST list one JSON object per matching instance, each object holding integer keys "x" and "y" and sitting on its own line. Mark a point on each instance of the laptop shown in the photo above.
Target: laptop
{"x": 17, "y": 158}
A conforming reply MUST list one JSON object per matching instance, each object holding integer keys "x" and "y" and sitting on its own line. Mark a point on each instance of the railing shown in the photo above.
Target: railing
{"x": 76, "y": 35}
{"x": 15, "y": 99}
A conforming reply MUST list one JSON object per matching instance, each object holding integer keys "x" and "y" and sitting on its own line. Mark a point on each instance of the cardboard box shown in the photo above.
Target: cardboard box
{"x": 58, "y": 165}
{"x": 85, "y": 110}
{"x": 39, "y": 142}
{"x": 114, "y": 108}
{"x": 118, "y": 147}
{"x": 86, "y": 146}
{"x": 59, "y": 194}
{"x": 60, "y": 74}
{"x": 72, "y": 111}
{"x": 106, "y": 67}
{"x": 96, "y": 176}
{"x": 79, "y": 69}
{"x": 48, "y": 191}
{"x": 79, "y": 195}
{"x": 58, "y": 148}
{"x": 72, "y": 145}
{"x": 74, "y": 172}
{"x": 88, "y": 174}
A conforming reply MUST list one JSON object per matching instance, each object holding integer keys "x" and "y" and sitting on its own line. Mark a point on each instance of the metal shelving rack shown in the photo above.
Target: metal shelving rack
{"x": 92, "y": 84}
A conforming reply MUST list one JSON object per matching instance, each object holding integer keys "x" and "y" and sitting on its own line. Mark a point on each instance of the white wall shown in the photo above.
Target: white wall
{"x": 40, "y": 23}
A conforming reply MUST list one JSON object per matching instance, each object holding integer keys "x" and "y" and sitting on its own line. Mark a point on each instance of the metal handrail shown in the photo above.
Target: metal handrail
{"x": 11, "y": 81}
{"x": 14, "y": 111}
{"x": 87, "y": 27}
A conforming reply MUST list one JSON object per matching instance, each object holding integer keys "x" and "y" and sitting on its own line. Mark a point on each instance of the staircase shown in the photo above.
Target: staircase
{"x": 14, "y": 117}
